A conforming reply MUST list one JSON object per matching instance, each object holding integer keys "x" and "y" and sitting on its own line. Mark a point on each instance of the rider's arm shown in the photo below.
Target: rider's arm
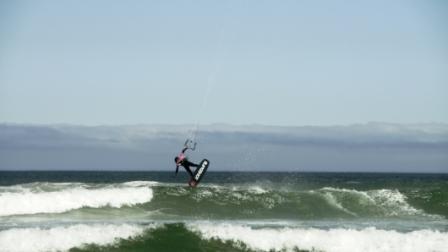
{"x": 187, "y": 145}
{"x": 177, "y": 168}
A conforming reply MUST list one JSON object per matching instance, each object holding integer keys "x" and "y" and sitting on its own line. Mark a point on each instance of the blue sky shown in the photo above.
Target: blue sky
{"x": 238, "y": 62}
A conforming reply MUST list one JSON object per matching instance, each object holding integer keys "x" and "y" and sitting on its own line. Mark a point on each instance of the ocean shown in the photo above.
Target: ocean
{"x": 228, "y": 211}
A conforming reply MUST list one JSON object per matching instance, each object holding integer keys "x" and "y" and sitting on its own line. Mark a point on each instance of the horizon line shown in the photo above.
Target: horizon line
{"x": 229, "y": 171}
{"x": 220, "y": 124}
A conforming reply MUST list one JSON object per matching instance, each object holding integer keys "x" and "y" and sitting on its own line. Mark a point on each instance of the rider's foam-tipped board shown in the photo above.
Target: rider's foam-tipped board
{"x": 199, "y": 173}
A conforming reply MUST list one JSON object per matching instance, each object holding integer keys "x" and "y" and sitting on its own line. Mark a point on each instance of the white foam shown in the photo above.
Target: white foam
{"x": 141, "y": 183}
{"x": 63, "y": 238}
{"x": 257, "y": 190}
{"x": 391, "y": 202}
{"x": 333, "y": 240}
{"x": 68, "y": 198}
{"x": 333, "y": 202}
{"x": 394, "y": 201}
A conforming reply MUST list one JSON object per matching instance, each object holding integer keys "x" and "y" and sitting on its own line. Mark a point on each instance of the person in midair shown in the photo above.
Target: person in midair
{"x": 182, "y": 160}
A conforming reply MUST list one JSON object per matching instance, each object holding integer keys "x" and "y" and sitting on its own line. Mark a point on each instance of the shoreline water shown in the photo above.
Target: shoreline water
{"x": 142, "y": 211}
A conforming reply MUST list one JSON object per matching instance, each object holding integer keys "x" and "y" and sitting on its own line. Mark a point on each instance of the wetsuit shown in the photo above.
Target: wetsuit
{"x": 183, "y": 161}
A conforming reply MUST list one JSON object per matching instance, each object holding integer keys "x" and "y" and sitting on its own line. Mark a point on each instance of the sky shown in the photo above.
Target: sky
{"x": 283, "y": 63}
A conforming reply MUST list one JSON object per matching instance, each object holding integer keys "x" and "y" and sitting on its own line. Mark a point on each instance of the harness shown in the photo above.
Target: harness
{"x": 181, "y": 157}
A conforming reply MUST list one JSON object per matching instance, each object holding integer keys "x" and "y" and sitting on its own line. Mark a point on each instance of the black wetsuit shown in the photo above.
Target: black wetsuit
{"x": 186, "y": 164}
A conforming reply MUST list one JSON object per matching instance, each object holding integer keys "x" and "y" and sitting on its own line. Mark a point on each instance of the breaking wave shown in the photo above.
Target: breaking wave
{"x": 332, "y": 240}
{"x": 63, "y": 238}
{"x": 384, "y": 202}
{"x": 212, "y": 236}
{"x": 165, "y": 200}
{"x": 257, "y": 202}
{"x": 61, "y": 197}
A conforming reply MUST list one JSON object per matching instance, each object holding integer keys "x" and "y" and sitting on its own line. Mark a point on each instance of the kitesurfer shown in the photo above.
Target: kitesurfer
{"x": 182, "y": 160}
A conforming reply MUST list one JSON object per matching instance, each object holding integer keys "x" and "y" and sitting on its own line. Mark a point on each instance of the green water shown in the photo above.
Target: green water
{"x": 154, "y": 211}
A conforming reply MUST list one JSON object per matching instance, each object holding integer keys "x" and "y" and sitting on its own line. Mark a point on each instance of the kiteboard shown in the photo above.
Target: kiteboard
{"x": 199, "y": 173}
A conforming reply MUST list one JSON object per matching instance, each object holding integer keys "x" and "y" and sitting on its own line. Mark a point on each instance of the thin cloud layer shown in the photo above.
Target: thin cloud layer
{"x": 372, "y": 147}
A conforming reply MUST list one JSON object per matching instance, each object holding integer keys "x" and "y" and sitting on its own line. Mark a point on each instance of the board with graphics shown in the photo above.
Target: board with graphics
{"x": 198, "y": 174}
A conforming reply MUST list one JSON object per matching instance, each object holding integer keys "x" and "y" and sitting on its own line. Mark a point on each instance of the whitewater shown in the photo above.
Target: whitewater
{"x": 229, "y": 211}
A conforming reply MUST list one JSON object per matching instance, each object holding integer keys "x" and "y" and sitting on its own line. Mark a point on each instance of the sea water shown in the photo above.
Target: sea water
{"x": 228, "y": 211}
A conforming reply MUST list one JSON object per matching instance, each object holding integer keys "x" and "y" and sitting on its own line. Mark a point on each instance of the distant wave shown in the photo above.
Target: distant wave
{"x": 251, "y": 201}
{"x": 384, "y": 202}
{"x": 333, "y": 240}
{"x": 255, "y": 201}
{"x": 61, "y": 197}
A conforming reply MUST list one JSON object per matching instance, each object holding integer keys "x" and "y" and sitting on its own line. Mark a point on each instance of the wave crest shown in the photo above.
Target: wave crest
{"x": 58, "y": 198}
{"x": 336, "y": 240}
{"x": 63, "y": 238}
{"x": 382, "y": 202}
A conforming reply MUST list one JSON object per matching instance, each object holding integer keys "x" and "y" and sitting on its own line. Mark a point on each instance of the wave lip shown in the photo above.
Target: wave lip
{"x": 332, "y": 240}
{"x": 382, "y": 202}
{"x": 70, "y": 197}
{"x": 64, "y": 238}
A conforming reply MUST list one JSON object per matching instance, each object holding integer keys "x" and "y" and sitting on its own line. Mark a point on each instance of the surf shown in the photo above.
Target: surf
{"x": 38, "y": 198}
{"x": 254, "y": 201}
{"x": 217, "y": 236}
{"x": 331, "y": 240}
{"x": 227, "y": 212}
{"x": 63, "y": 238}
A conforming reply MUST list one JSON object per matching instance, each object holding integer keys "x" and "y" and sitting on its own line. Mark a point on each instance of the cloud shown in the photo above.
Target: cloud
{"x": 364, "y": 147}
